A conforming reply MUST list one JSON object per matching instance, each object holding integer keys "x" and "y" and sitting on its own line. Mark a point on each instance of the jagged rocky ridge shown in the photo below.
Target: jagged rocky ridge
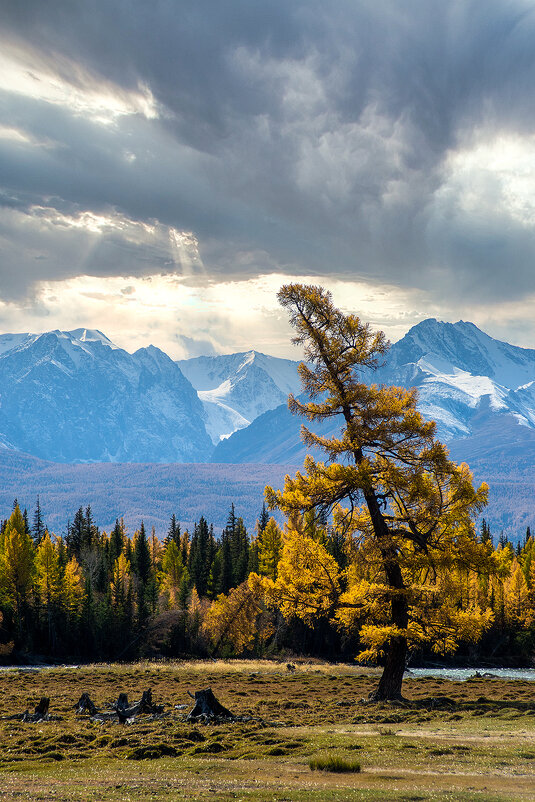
{"x": 75, "y": 397}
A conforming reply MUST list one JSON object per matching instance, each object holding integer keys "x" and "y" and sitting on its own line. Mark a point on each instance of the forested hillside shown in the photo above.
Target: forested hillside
{"x": 135, "y": 491}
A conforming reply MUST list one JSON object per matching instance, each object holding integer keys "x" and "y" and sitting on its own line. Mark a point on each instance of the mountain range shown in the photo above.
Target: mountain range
{"x": 74, "y": 396}
{"x": 466, "y": 381}
{"x": 237, "y": 388}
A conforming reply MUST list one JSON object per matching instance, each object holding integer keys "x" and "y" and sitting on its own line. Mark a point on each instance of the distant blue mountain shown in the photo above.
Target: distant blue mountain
{"x": 236, "y": 388}
{"x": 75, "y": 397}
{"x": 464, "y": 378}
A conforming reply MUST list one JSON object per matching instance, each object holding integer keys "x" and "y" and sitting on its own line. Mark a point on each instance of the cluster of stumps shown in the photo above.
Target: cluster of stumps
{"x": 207, "y": 709}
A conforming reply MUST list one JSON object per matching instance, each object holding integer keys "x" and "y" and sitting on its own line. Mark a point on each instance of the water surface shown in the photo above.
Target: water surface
{"x": 462, "y": 674}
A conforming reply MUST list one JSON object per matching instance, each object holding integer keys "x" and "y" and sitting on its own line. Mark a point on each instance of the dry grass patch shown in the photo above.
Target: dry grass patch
{"x": 458, "y": 741}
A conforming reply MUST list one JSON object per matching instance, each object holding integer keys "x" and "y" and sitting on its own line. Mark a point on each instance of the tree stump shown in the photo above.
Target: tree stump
{"x": 122, "y": 702}
{"x": 207, "y": 707}
{"x": 145, "y": 705}
{"x": 84, "y": 704}
{"x": 41, "y": 711}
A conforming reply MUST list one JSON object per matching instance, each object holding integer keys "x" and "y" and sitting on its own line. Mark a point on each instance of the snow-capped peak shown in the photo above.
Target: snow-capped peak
{"x": 90, "y": 335}
{"x": 236, "y": 388}
{"x": 466, "y": 348}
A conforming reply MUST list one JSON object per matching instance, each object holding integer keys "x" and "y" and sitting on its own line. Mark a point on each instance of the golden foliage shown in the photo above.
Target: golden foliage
{"x": 239, "y": 618}
{"x": 73, "y": 589}
{"x": 17, "y": 560}
{"x": 403, "y": 508}
{"x": 48, "y": 573}
{"x": 269, "y": 549}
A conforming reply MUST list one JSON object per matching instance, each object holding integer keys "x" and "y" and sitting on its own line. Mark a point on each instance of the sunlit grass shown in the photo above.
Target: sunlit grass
{"x": 334, "y": 763}
{"x": 451, "y": 741}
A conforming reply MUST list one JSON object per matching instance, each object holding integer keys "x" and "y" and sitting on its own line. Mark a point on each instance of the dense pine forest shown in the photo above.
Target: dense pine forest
{"x": 96, "y": 595}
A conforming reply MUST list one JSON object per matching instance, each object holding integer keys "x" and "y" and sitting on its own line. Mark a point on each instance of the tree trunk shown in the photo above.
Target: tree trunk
{"x": 389, "y": 688}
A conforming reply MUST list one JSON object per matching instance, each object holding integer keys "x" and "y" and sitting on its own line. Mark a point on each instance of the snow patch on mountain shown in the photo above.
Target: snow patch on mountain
{"x": 10, "y": 341}
{"x": 90, "y": 335}
{"x": 236, "y": 388}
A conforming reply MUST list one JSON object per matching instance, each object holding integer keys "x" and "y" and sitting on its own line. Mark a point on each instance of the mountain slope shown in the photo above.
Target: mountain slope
{"x": 464, "y": 378}
{"x": 75, "y": 397}
{"x": 135, "y": 491}
{"x": 462, "y": 375}
{"x": 237, "y": 388}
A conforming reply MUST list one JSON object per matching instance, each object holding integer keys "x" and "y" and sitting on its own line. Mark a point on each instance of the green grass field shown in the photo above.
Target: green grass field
{"x": 450, "y": 741}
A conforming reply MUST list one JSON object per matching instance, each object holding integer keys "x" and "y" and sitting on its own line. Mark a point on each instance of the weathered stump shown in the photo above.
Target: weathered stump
{"x": 207, "y": 707}
{"x": 145, "y": 705}
{"x": 40, "y": 713}
{"x": 85, "y": 704}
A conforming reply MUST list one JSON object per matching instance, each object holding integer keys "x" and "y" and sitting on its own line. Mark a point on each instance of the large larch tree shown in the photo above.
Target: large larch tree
{"x": 403, "y": 509}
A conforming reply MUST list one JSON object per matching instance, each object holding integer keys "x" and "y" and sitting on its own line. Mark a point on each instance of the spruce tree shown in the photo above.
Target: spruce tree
{"x": 485, "y": 533}
{"x": 200, "y": 556}
{"x": 75, "y": 534}
{"x": 173, "y": 533}
{"x": 225, "y": 573}
{"x": 90, "y": 532}
{"x": 239, "y": 550}
{"x": 263, "y": 519}
{"x": 142, "y": 567}
{"x": 142, "y": 560}
{"x": 38, "y": 528}
{"x": 116, "y": 542}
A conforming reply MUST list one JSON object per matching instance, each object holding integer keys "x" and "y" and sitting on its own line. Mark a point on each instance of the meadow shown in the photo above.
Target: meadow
{"x": 471, "y": 740}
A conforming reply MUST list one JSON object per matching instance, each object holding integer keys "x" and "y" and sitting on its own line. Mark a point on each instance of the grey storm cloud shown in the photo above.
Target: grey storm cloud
{"x": 304, "y": 136}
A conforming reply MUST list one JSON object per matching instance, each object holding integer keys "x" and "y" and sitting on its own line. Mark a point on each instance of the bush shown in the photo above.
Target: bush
{"x": 334, "y": 763}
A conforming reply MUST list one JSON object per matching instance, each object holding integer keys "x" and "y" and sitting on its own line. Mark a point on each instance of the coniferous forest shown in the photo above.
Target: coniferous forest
{"x": 94, "y": 595}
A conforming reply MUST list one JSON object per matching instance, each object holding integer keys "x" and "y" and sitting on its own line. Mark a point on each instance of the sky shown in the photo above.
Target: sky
{"x": 165, "y": 166}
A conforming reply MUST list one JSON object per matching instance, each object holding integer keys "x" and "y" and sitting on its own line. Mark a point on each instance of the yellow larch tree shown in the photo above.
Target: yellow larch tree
{"x": 239, "y": 619}
{"x": 172, "y": 573}
{"x": 395, "y": 493}
{"x": 269, "y": 546}
{"x": 73, "y": 591}
{"x": 121, "y": 583}
{"x": 48, "y": 584}
{"x": 17, "y": 566}
{"x": 518, "y": 613}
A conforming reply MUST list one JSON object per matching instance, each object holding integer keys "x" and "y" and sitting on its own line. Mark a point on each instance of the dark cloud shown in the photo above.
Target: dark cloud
{"x": 305, "y": 136}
